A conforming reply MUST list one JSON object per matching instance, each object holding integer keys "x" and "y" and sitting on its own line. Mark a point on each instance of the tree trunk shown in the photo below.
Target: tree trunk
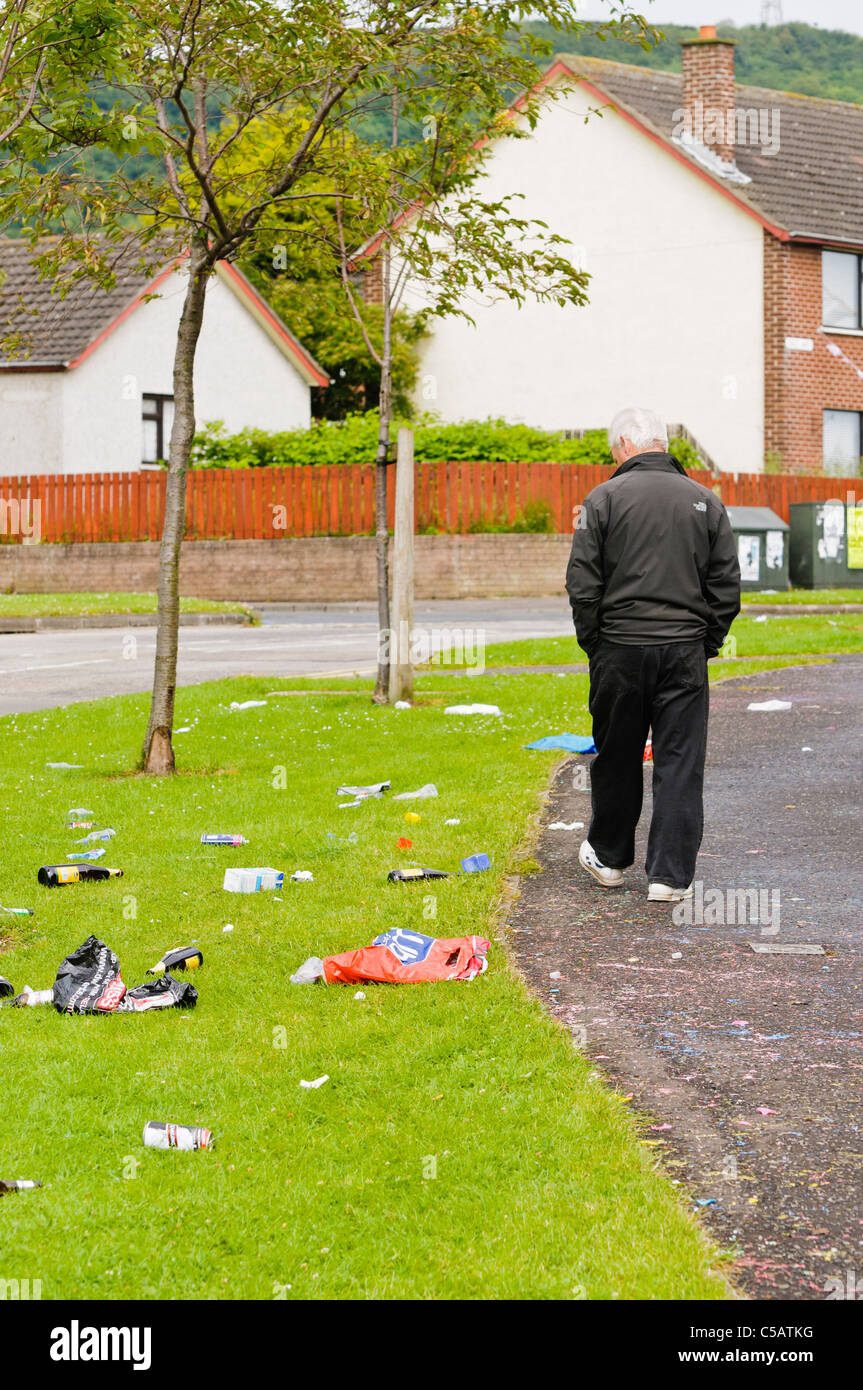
{"x": 382, "y": 684}
{"x": 158, "y": 754}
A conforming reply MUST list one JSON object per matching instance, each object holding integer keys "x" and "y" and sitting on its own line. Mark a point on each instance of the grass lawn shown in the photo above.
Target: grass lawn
{"x": 543, "y": 1188}
{"x": 77, "y": 605}
{"x": 766, "y": 638}
{"x": 804, "y": 596}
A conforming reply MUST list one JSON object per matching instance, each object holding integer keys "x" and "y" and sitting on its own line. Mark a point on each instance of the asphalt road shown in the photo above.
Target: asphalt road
{"x": 46, "y": 669}
{"x": 746, "y": 1069}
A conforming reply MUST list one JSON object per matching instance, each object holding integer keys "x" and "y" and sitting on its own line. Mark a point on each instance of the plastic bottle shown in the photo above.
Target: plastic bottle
{"x": 224, "y": 840}
{"x": 59, "y": 875}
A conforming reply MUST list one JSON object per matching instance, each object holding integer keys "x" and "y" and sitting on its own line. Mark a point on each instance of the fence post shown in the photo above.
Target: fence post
{"x": 402, "y": 615}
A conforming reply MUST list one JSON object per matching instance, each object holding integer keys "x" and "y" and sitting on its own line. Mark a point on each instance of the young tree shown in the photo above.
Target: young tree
{"x": 200, "y": 83}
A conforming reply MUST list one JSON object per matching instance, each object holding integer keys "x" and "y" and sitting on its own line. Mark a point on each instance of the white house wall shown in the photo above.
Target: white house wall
{"x": 89, "y": 418}
{"x": 675, "y": 319}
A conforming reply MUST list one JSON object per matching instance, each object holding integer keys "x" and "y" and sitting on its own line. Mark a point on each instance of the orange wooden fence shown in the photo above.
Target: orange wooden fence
{"x": 338, "y": 499}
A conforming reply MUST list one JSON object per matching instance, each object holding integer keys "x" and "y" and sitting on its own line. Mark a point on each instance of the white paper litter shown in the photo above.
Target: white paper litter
{"x": 400, "y": 704}
{"x": 555, "y": 975}
{"x": 64, "y": 766}
{"x": 424, "y": 792}
{"x": 762, "y": 618}
{"x": 313, "y": 1085}
{"x": 472, "y": 709}
{"x": 359, "y": 995}
{"x": 567, "y": 825}
{"x": 363, "y": 793}
{"x": 769, "y": 706}
{"x": 247, "y": 704}
{"x": 229, "y": 926}
{"x": 303, "y": 876}
{"x": 453, "y": 820}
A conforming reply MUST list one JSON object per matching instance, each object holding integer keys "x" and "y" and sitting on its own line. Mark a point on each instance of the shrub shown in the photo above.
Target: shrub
{"x": 354, "y": 440}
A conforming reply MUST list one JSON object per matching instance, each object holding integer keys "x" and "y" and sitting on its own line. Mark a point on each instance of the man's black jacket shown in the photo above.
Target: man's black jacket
{"x": 653, "y": 560}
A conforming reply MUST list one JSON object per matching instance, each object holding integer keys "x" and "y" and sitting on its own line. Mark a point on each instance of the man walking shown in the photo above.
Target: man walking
{"x": 654, "y": 584}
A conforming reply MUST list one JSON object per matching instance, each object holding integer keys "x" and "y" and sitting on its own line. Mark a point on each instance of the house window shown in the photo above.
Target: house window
{"x": 842, "y": 442}
{"x": 840, "y": 290}
{"x": 157, "y": 417}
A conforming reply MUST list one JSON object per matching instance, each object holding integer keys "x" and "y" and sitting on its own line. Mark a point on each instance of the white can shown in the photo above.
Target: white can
{"x": 160, "y": 1134}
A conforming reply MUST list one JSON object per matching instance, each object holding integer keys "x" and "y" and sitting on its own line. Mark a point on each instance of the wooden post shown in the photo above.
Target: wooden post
{"x": 401, "y": 686}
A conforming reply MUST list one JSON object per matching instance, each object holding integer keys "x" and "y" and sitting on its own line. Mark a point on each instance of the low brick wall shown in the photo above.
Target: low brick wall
{"x": 299, "y": 571}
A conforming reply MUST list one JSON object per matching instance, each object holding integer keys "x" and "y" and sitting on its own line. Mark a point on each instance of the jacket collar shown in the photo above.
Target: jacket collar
{"x": 653, "y": 461}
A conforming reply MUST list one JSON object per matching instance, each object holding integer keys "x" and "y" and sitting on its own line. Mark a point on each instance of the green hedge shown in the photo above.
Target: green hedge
{"x": 354, "y": 440}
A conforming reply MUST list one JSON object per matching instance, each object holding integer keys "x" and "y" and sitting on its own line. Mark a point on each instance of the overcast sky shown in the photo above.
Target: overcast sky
{"x": 827, "y": 14}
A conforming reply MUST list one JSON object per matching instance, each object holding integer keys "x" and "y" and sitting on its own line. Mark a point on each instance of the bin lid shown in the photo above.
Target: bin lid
{"x": 755, "y": 519}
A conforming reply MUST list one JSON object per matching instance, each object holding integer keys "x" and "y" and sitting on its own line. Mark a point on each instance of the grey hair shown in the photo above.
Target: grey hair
{"x": 640, "y": 427}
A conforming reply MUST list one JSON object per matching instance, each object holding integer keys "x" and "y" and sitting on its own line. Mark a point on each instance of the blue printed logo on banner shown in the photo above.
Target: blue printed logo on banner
{"x": 408, "y": 947}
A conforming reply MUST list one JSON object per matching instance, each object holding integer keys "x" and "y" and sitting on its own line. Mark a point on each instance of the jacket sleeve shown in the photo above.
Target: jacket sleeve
{"x": 721, "y": 586}
{"x": 585, "y": 575}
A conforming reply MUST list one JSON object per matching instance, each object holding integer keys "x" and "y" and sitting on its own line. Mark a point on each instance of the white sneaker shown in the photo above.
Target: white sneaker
{"x": 664, "y": 893}
{"x": 606, "y": 878}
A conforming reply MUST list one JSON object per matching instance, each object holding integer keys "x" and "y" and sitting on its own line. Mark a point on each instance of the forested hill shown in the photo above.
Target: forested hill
{"x": 786, "y": 57}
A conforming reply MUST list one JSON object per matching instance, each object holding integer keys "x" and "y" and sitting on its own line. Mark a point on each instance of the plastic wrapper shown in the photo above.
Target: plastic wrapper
{"x": 402, "y": 957}
{"x": 88, "y": 982}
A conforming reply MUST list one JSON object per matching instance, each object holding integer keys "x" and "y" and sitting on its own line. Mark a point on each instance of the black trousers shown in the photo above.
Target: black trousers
{"x": 633, "y": 690}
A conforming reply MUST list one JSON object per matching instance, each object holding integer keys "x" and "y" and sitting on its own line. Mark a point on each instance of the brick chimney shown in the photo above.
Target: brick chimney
{"x": 708, "y": 91}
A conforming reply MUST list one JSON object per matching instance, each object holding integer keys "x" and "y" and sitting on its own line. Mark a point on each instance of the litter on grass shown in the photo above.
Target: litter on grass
{"x": 253, "y": 880}
{"x": 159, "y": 1134}
{"x": 453, "y": 820}
{"x": 424, "y": 792}
{"x": 65, "y": 767}
{"x": 472, "y": 709}
{"x": 769, "y": 706}
{"x": 765, "y": 1110}
{"x": 178, "y": 958}
{"x": 87, "y": 855}
{"x": 237, "y": 705}
{"x": 475, "y": 863}
{"x": 359, "y": 995}
{"x": 95, "y": 836}
{"x": 408, "y": 875}
{"x": 402, "y": 704}
{"x": 401, "y": 957}
{"x": 7, "y": 989}
{"x": 402, "y": 843}
{"x": 8, "y": 1185}
{"x": 313, "y": 1085}
{"x": 17, "y": 911}
{"x": 88, "y": 982}
{"x": 571, "y": 743}
{"x": 224, "y": 840}
{"x": 30, "y": 998}
{"x": 413, "y": 818}
{"x": 302, "y": 876}
{"x": 361, "y": 794}
{"x": 567, "y": 825}
{"x": 229, "y": 926}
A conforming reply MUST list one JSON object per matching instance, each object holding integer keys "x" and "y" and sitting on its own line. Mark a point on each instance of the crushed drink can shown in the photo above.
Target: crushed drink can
{"x": 224, "y": 840}
{"x": 648, "y": 751}
{"x": 160, "y": 1134}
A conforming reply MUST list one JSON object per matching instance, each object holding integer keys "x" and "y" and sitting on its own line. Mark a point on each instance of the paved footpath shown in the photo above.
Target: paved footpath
{"x": 704, "y": 1034}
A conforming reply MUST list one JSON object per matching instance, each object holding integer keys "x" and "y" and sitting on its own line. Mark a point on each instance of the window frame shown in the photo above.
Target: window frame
{"x": 843, "y": 328}
{"x": 839, "y": 410}
{"x": 158, "y": 399}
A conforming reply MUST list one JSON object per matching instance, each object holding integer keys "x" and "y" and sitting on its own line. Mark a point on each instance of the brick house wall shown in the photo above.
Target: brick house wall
{"x": 800, "y": 385}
